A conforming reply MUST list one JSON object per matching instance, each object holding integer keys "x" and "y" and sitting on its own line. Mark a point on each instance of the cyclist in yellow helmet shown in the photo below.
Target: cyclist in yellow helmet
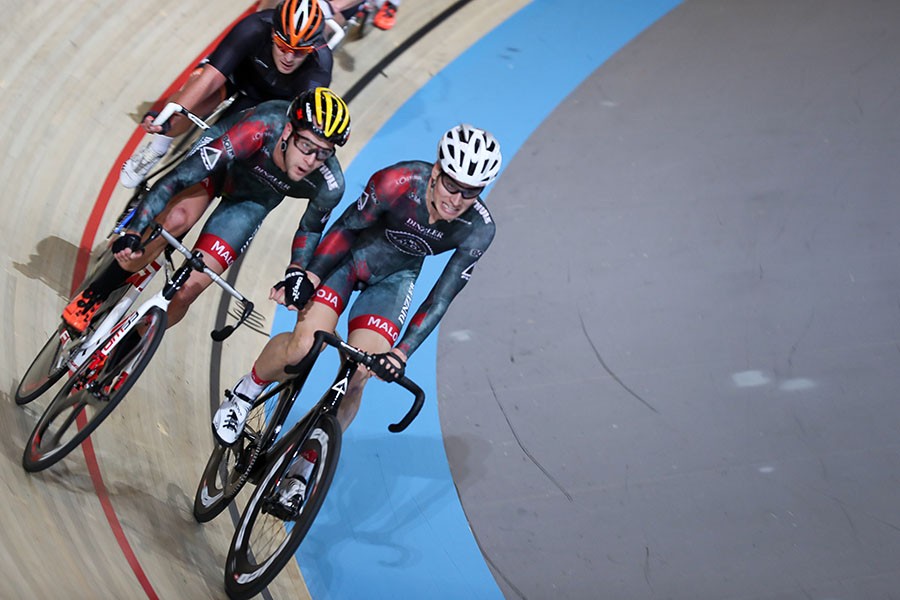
{"x": 252, "y": 161}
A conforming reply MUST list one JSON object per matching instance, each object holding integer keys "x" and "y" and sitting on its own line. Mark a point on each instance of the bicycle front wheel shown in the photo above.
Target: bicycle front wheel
{"x": 92, "y": 393}
{"x": 229, "y": 468}
{"x": 263, "y": 543}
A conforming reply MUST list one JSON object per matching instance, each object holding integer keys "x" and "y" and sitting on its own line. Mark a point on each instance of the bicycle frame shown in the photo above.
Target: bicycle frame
{"x": 114, "y": 327}
{"x": 351, "y": 360}
{"x": 113, "y": 321}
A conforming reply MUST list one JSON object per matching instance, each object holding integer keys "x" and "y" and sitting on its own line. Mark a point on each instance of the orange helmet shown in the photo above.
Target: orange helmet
{"x": 298, "y": 22}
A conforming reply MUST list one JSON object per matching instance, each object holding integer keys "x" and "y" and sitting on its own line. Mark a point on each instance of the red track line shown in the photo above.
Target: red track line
{"x": 81, "y": 265}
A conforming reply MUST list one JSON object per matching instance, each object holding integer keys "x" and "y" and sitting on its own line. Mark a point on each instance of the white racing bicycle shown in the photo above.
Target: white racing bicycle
{"x": 106, "y": 359}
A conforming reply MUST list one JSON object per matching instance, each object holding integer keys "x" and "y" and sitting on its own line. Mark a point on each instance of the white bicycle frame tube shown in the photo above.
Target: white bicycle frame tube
{"x": 112, "y": 320}
{"x": 113, "y": 327}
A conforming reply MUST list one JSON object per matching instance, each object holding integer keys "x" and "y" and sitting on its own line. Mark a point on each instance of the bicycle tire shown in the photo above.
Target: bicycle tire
{"x": 50, "y": 363}
{"x": 100, "y": 387}
{"x": 229, "y": 468}
{"x": 46, "y": 368}
{"x": 254, "y": 559}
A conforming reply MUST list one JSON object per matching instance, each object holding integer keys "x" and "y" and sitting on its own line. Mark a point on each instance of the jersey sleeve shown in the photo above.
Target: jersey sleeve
{"x": 238, "y": 142}
{"x": 452, "y": 280}
{"x": 343, "y": 233}
{"x": 320, "y": 76}
{"x": 317, "y": 213}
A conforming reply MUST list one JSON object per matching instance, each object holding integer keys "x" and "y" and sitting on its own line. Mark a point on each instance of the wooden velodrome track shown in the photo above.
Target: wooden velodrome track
{"x": 115, "y": 521}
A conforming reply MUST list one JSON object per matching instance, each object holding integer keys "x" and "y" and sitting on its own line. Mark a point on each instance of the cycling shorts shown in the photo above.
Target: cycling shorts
{"x": 381, "y": 307}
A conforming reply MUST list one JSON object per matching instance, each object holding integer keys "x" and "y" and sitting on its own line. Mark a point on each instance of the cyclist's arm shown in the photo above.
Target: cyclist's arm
{"x": 200, "y": 88}
{"x": 452, "y": 280}
{"x": 318, "y": 210}
{"x": 240, "y": 44}
{"x": 198, "y": 92}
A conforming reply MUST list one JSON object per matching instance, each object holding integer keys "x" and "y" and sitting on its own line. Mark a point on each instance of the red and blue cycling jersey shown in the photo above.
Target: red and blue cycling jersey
{"x": 379, "y": 244}
{"x": 234, "y": 160}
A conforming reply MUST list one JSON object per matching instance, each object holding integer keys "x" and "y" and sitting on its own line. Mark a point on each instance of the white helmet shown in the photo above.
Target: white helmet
{"x": 470, "y": 155}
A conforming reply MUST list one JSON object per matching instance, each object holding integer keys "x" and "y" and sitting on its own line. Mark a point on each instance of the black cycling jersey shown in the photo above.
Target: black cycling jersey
{"x": 244, "y": 56}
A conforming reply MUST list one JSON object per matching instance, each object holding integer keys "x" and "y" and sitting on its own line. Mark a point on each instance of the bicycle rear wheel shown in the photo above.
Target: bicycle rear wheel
{"x": 229, "y": 468}
{"x": 50, "y": 363}
{"x": 263, "y": 543}
{"x": 47, "y": 367}
{"x": 92, "y": 392}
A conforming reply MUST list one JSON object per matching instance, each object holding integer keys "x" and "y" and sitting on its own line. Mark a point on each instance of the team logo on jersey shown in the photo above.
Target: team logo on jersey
{"x": 483, "y": 211}
{"x": 362, "y": 200}
{"x": 428, "y": 231}
{"x": 407, "y": 302}
{"x": 467, "y": 272}
{"x": 330, "y": 179}
{"x": 408, "y": 243}
{"x": 210, "y": 157}
{"x": 476, "y": 252}
{"x": 200, "y": 144}
{"x": 273, "y": 181}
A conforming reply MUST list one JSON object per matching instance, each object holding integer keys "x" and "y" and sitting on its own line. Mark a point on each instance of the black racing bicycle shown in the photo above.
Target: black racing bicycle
{"x": 266, "y": 536}
{"x": 105, "y": 360}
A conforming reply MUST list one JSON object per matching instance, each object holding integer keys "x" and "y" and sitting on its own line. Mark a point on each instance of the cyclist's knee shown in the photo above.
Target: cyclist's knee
{"x": 178, "y": 221}
{"x": 299, "y": 346}
{"x": 189, "y": 292}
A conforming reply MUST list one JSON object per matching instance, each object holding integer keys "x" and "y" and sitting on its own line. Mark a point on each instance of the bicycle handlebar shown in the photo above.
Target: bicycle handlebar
{"x": 366, "y": 360}
{"x": 173, "y": 107}
{"x": 195, "y": 260}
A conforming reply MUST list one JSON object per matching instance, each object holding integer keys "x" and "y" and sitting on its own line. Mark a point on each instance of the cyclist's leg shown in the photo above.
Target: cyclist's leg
{"x": 178, "y": 217}
{"x": 283, "y": 349}
{"x": 375, "y": 320}
{"x": 291, "y": 347}
{"x": 225, "y": 235}
{"x": 196, "y": 283}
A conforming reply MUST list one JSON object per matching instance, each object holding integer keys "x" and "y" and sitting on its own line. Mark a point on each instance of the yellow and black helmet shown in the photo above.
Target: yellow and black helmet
{"x": 323, "y": 112}
{"x": 298, "y": 22}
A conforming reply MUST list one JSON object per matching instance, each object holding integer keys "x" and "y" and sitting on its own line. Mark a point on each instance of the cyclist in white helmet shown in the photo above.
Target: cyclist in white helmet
{"x": 407, "y": 212}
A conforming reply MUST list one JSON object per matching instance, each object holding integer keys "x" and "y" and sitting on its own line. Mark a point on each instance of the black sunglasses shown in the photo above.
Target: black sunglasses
{"x": 454, "y": 188}
{"x": 307, "y": 148}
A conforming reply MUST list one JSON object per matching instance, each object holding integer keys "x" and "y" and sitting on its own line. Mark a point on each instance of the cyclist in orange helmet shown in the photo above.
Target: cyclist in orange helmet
{"x": 268, "y": 55}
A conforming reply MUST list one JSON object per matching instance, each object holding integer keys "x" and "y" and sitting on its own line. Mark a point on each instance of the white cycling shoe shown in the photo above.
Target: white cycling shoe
{"x": 136, "y": 168}
{"x": 229, "y": 420}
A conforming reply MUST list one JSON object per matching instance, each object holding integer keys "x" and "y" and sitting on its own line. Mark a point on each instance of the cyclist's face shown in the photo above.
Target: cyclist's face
{"x": 449, "y": 198}
{"x": 305, "y": 153}
{"x": 286, "y": 60}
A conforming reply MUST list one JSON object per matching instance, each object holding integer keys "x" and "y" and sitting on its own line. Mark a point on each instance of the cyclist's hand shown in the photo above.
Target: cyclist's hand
{"x": 295, "y": 290}
{"x": 389, "y": 366}
{"x": 149, "y": 127}
{"x": 127, "y": 247}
